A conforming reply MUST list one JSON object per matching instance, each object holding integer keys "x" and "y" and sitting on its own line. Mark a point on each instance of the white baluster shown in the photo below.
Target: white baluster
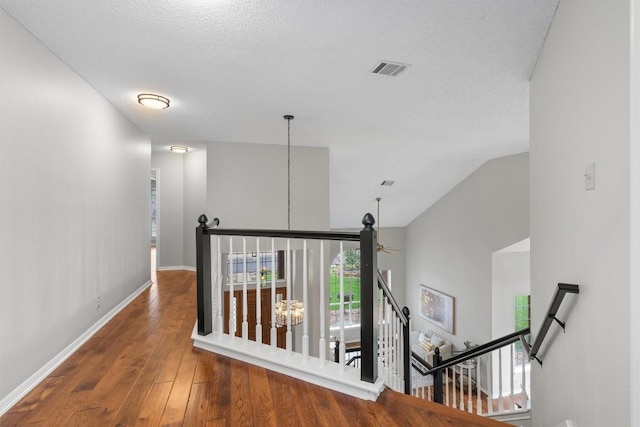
{"x": 454, "y": 401}
{"x": 380, "y": 359}
{"x": 469, "y": 396}
{"x": 323, "y": 344}
{"x": 219, "y": 290}
{"x": 395, "y": 353}
{"x": 341, "y": 349}
{"x": 490, "y": 383}
{"x": 445, "y": 379}
{"x": 478, "y": 391}
{"x": 245, "y": 323}
{"x": 289, "y": 296}
{"x": 511, "y": 375}
{"x": 523, "y": 384}
{"x": 232, "y": 324}
{"x": 274, "y": 332}
{"x": 500, "y": 402}
{"x": 460, "y": 379}
{"x": 258, "y": 296}
{"x": 389, "y": 351}
{"x": 305, "y": 301}
{"x": 383, "y": 338}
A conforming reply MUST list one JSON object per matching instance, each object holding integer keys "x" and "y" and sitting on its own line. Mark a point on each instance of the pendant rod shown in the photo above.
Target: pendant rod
{"x": 288, "y": 118}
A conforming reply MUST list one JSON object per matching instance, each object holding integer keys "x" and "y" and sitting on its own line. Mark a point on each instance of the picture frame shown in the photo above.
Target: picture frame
{"x": 437, "y": 308}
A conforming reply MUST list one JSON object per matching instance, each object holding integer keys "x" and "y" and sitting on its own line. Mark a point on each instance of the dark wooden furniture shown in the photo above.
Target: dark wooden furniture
{"x": 265, "y": 297}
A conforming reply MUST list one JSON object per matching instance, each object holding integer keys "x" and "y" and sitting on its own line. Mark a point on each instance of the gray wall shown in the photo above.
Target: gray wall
{"x": 450, "y": 246}
{"x": 580, "y": 114}
{"x": 74, "y": 206}
{"x": 511, "y": 278}
{"x": 247, "y": 186}
{"x": 195, "y": 201}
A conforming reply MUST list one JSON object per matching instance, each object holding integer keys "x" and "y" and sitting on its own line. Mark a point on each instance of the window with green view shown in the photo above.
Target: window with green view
{"x": 523, "y": 315}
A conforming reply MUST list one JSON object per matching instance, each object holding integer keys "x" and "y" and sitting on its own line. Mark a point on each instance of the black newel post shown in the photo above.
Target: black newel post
{"x": 407, "y": 352}
{"x": 203, "y": 266}
{"x": 368, "y": 311}
{"x": 437, "y": 377}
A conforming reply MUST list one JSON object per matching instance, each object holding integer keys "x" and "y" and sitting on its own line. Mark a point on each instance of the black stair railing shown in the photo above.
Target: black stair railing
{"x": 438, "y": 367}
{"x": 403, "y": 315}
{"x": 561, "y": 291}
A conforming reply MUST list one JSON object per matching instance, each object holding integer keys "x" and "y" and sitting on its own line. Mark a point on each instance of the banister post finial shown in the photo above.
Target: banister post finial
{"x": 405, "y": 311}
{"x": 368, "y": 221}
{"x": 202, "y": 220}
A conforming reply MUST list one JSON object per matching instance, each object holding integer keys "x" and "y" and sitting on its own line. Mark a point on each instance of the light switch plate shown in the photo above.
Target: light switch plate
{"x": 590, "y": 176}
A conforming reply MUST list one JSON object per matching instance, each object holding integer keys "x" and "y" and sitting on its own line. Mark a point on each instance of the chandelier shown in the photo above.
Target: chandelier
{"x": 297, "y": 312}
{"x": 296, "y": 308}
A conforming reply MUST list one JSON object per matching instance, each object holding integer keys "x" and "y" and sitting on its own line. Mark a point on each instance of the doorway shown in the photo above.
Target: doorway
{"x": 155, "y": 220}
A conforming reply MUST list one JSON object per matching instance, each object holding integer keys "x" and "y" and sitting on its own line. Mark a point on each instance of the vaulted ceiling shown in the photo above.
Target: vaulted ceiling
{"x": 233, "y": 68}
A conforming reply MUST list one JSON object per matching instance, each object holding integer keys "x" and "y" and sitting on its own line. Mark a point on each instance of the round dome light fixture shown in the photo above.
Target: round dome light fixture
{"x": 179, "y": 149}
{"x": 151, "y": 100}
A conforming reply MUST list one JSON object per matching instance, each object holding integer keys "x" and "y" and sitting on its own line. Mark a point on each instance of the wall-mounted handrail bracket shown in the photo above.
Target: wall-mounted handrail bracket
{"x": 562, "y": 324}
{"x": 561, "y": 291}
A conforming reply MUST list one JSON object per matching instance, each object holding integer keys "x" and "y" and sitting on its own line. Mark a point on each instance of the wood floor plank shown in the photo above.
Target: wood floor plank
{"x": 286, "y": 411}
{"x": 262, "y": 403}
{"x": 177, "y": 403}
{"x": 153, "y": 408}
{"x": 141, "y": 369}
{"x": 139, "y": 393}
{"x": 241, "y": 403}
{"x": 198, "y": 406}
{"x": 220, "y": 396}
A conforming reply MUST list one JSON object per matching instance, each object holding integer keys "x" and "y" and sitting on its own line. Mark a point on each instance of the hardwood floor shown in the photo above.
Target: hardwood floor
{"x": 141, "y": 369}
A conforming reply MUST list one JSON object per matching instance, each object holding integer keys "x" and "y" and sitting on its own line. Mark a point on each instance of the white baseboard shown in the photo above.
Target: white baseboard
{"x": 176, "y": 267}
{"x": 35, "y": 379}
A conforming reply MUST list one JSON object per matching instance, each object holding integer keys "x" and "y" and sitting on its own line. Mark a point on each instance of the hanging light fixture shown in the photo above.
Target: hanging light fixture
{"x": 297, "y": 312}
{"x": 296, "y": 308}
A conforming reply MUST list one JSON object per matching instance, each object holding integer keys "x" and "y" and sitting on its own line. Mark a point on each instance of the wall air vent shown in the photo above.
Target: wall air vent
{"x": 391, "y": 69}
{"x": 387, "y": 183}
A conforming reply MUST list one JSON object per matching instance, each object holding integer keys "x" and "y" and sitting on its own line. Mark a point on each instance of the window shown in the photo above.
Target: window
{"x": 351, "y": 289}
{"x": 522, "y": 319}
{"x": 235, "y": 267}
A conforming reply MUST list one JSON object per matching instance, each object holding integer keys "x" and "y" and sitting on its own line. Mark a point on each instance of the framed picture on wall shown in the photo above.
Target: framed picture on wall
{"x": 437, "y": 308}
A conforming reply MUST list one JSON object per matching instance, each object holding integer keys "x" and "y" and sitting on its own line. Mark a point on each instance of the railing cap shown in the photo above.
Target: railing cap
{"x": 368, "y": 221}
{"x": 202, "y": 220}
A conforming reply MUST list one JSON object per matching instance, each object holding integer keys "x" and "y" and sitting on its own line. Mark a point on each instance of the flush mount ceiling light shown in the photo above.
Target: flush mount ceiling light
{"x": 151, "y": 100}
{"x": 179, "y": 149}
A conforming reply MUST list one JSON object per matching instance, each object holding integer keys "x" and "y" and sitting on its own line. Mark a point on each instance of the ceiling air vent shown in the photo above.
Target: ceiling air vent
{"x": 386, "y": 68}
{"x": 387, "y": 183}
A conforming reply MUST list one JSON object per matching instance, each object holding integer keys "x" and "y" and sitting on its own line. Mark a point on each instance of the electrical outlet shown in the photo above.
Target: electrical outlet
{"x": 98, "y": 301}
{"x": 590, "y": 176}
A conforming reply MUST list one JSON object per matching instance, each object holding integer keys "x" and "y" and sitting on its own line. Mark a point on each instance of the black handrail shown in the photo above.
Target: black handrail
{"x": 387, "y": 292}
{"x": 561, "y": 291}
{"x": 477, "y": 351}
{"x": 287, "y": 234}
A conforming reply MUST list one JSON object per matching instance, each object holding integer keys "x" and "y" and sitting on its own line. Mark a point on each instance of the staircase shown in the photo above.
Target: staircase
{"x": 490, "y": 380}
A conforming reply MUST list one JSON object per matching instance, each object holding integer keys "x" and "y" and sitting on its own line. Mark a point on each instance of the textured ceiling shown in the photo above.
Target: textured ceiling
{"x": 232, "y": 69}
